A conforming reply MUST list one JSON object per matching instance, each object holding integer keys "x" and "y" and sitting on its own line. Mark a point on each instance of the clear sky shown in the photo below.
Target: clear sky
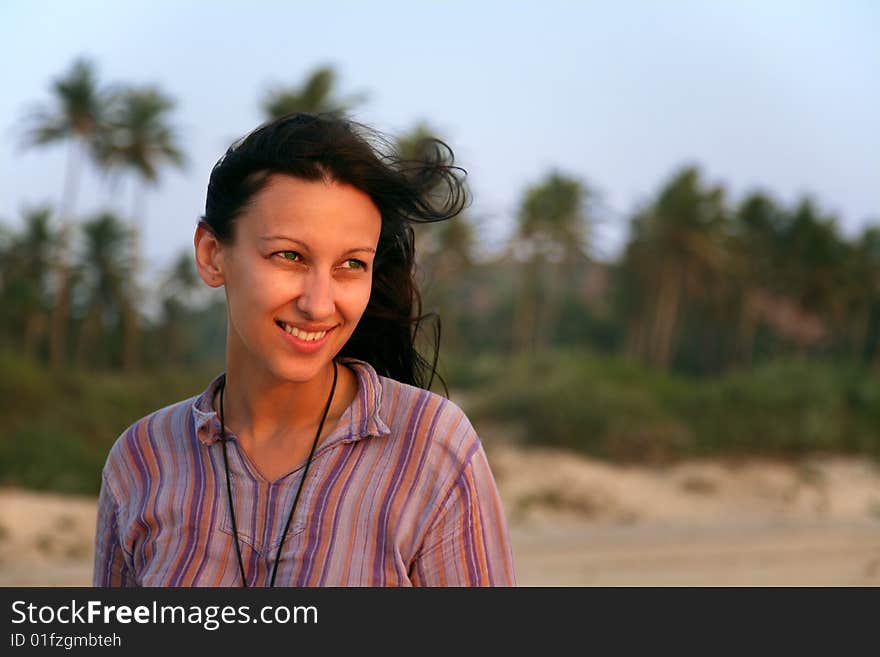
{"x": 773, "y": 94}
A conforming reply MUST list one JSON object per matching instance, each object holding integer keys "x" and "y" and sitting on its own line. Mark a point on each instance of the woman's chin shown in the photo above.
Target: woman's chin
{"x": 301, "y": 373}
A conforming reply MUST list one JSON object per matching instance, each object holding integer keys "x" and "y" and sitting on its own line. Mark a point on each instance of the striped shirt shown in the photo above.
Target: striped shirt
{"x": 399, "y": 494}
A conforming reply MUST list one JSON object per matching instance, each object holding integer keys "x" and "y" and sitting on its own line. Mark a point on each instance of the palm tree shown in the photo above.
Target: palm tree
{"x": 813, "y": 265}
{"x": 755, "y": 249}
{"x": 451, "y": 242}
{"x": 75, "y": 115}
{"x": 315, "y": 95}
{"x": 25, "y": 265}
{"x": 140, "y": 141}
{"x": 445, "y": 249}
{"x": 866, "y": 284}
{"x": 105, "y": 282}
{"x": 677, "y": 250}
{"x": 176, "y": 289}
{"x": 551, "y": 237}
{"x": 139, "y": 138}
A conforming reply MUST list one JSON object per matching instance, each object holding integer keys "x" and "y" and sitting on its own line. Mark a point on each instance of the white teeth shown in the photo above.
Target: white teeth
{"x": 302, "y": 335}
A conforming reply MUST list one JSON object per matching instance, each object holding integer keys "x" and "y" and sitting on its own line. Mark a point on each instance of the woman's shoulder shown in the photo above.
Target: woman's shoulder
{"x": 410, "y": 397}
{"x": 427, "y": 420}
{"x": 161, "y": 432}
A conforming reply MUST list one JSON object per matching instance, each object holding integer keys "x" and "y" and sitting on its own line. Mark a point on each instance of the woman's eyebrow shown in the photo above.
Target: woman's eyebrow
{"x": 274, "y": 238}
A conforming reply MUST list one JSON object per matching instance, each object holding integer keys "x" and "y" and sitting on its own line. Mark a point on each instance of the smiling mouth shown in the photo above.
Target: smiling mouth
{"x": 302, "y": 335}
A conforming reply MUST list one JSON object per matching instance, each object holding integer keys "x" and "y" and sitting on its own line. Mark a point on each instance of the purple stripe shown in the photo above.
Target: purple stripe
{"x": 276, "y": 511}
{"x": 134, "y": 450}
{"x": 469, "y": 537}
{"x": 272, "y": 534}
{"x": 342, "y": 495}
{"x": 433, "y": 490}
{"x": 379, "y": 556}
{"x": 193, "y": 519}
{"x": 486, "y": 523}
{"x": 363, "y": 409}
{"x": 423, "y": 458}
{"x": 253, "y": 558}
{"x": 321, "y": 496}
{"x": 206, "y": 555}
{"x": 156, "y": 487}
{"x": 111, "y": 539}
{"x": 470, "y": 547}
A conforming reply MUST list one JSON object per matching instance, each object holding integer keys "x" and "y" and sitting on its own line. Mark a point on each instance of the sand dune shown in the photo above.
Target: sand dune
{"x": 580, "y": 522}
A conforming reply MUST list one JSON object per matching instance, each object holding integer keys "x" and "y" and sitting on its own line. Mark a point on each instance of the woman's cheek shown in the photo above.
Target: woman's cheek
{"x": 363, "y": 296}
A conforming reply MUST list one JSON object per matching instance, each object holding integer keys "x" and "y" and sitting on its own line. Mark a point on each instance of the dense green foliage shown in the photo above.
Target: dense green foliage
{"x": 617, "y": 409}
{"x": 58, "y": 428}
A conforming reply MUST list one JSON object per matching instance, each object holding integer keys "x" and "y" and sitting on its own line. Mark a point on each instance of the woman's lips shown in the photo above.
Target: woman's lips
{"x": 305, "y": 346}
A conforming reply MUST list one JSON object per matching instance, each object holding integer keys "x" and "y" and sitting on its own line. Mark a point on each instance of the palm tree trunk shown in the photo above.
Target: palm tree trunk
{"x": 450, "y": 306}
{"x": 748, "y": 326}
{"x": 554, "y": 302}
{"x": 869, "y": 344}
{"x": 85, "y": 356}
{"x": 131, "y": 360}
{"x": 639, "y": 324}
{"x": 634, "y": 341}
{"x": 60, "y": 317}
{"x": 666, "y": 314}
{"x": 172, "y": 334}
{"x": 131, "y": 324}
{"x": 524, "y": 325}
{"x": 34, "y": 327}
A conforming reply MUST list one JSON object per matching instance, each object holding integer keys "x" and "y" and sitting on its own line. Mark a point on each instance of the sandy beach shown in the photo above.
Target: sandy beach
{"x": 709, "y": 523}
{"x": 579, "y": 522}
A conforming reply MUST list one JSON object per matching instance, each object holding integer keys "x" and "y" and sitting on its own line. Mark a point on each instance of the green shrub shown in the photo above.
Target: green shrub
{"x": 612, "y": 408}
{"x": 58, "y": 429}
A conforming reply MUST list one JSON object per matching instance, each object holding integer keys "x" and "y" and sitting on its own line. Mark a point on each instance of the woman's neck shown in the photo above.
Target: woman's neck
{"x": 262, "y": 410}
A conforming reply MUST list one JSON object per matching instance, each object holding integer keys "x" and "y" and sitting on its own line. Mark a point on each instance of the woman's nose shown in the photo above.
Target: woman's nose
{"x": 316, "y": 299}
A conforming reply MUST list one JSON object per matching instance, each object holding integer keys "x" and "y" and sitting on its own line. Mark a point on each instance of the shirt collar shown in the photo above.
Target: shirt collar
{"x": 361, "y": 419}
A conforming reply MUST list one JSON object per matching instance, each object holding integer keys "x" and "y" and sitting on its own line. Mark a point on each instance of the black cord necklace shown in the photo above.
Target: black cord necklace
{"x": 298, "y": 490}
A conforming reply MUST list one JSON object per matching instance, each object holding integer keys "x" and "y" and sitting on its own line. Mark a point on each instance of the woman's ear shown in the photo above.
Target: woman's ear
{"x": 209, "y": 255}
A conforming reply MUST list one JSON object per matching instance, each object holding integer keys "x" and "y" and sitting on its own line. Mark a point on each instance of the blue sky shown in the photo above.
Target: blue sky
{"x": 784, "y": 96}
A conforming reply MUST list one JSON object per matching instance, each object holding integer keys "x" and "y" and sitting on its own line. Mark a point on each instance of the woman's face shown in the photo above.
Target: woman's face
{"x": 298, "y": 274}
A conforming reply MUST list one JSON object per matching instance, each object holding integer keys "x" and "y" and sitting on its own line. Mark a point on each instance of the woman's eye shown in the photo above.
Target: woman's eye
{"x": 355, "y": 264}
{"x": 289, "y": 255}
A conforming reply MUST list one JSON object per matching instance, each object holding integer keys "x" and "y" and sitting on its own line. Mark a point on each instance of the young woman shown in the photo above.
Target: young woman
{"x": 319, "y": 457}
